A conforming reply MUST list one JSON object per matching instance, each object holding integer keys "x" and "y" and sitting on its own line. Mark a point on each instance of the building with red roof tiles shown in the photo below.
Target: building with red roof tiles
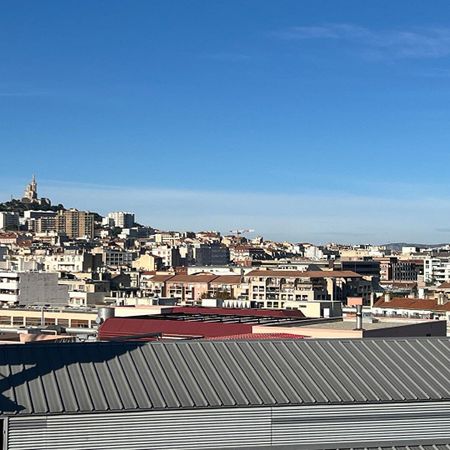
{"x": 413, "y": 308}
{"x": 294, "y": 288}
{"x": 189, "y": 288}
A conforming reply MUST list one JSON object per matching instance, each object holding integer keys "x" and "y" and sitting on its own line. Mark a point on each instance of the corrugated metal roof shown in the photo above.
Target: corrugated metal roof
{"x": 403, "y": 447}
{"x": 96, "y": 377}
{"x": 254, "y": 336}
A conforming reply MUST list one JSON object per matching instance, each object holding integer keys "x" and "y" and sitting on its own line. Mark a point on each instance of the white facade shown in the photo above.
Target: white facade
{"x": 313, "y": 252}
{"x": 165, "y": 253}
{"x": 78, "y": 298}
{"x": 65, "y": 263}
{"x": 436, "y": 270}
{"x": 121, "y": 219}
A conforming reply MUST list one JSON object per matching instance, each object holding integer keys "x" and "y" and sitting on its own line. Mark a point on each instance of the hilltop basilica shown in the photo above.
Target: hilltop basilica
{"x": 30, "y": 195}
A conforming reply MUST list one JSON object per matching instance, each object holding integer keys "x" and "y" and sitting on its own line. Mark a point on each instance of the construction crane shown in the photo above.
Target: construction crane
{"x": 238, "y": 233}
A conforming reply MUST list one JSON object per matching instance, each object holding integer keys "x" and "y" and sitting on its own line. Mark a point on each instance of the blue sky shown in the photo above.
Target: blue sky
{"x": 305, "y": 119}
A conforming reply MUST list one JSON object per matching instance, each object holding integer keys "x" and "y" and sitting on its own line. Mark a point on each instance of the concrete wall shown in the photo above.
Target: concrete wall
{"x": 429, "y": 328}
{"x": 38, "y": 287}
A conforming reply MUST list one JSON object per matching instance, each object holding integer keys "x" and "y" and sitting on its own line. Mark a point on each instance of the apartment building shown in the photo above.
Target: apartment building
{"x": 65, "y": 317}
{"x": 406, "y": 270}
{"x": 152, "y": 285}
{"x": 40, "y": 221}
{"x": 394, "y": 269}
{"x": 121, "y": 219}
{"x": 264, "y": 288}
{"x": 170, "y": 256}
{"x": 9, "y": 221}
{"x": 209, "y": 255}
{"x": 75, "y": 224}
{"x": 147, "y": 262}
{"x": 437, "y": 269}
{"x": 26, "y": 288}
{"x": 366, "y": 266}
{"x": 226, "y": 287}
{"x": 117, "y": 258}
{"x": 285, "y": 288}
{"x": 189, "y": 288}
{"x": 72, "y": 262}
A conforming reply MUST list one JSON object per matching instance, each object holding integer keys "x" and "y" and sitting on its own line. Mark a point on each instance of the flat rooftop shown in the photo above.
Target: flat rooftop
{"x": 351, "y": 325}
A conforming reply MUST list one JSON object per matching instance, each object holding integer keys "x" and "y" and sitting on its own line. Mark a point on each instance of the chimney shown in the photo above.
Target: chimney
{"x": 358, "y": 303}
{"x": 387, "y": 297}
{"x": 359, "y": 317}
{"x": 442, "y": 299}
{"x": 104, "y": 313}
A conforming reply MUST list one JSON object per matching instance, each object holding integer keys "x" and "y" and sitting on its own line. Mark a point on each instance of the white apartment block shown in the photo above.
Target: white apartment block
{"x": 121, "y": 219}
{"x": 26, "y": 288}
{"x": 65, "y": 263}
{"x": 166, "y": 254}
{"x": 436, "y": 270}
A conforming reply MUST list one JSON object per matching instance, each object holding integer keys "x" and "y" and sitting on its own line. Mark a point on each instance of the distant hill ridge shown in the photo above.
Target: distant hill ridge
{"x": 398, "y": 245}
{"x": 16, "y": 205}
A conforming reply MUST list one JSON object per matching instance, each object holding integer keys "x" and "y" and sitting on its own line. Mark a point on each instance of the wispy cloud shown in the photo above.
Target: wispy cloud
{"x": 312, "y": 216}
{"x": 425, "y": 42}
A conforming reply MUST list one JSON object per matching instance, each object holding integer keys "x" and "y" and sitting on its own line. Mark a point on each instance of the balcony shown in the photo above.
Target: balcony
{"x": 9, "y": 298}
{"x": 9, "y": 285}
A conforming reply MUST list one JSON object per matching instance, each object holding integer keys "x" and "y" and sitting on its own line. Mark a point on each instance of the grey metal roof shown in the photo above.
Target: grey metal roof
{"x": 404, "y": 447}
{"x": 98, "y": 377}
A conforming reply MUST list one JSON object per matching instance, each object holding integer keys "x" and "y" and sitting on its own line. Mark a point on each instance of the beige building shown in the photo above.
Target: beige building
{"x": 75, "y": 224}
{"x": 147, "y": 262}
{"x": 35, "y": 317}
{"x": 291, "y": 288}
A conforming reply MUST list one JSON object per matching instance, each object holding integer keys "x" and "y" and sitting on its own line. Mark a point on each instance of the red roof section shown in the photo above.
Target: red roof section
{"x": 304, "y": 274}
{"x": 227, "y": 279}
{"x": 117, "y": 327}
{"x": 412, "y": 303}
{"x": 196, "y": 278}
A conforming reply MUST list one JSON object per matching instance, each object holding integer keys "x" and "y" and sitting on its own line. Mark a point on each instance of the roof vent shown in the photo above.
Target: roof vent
{"x": 358, "y": 303}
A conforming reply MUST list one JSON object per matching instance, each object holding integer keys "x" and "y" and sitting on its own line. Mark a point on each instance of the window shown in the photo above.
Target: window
{"x": 18, "y": 321}
{"x": 5, "y": 320}
{"x": 32, "y": 321}
{"x": 80, "y": 323}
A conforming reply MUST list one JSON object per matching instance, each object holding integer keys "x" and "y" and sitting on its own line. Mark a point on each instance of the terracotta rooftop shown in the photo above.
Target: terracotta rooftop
{"x": 304, "y": 274}
{"x": 412, "y": 303}
{"x": 197, "y": 278}
{"x": 227, "y": 279}
{"x": 161, "y": 278}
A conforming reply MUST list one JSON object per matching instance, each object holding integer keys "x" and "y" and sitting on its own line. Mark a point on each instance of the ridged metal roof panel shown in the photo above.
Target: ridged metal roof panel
{"x": 97, "y": 377}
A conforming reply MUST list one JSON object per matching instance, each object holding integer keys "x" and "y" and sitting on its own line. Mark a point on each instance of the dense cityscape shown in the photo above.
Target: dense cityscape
{"x": 224, "y": 225}
{"x": 79, "y": 261}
